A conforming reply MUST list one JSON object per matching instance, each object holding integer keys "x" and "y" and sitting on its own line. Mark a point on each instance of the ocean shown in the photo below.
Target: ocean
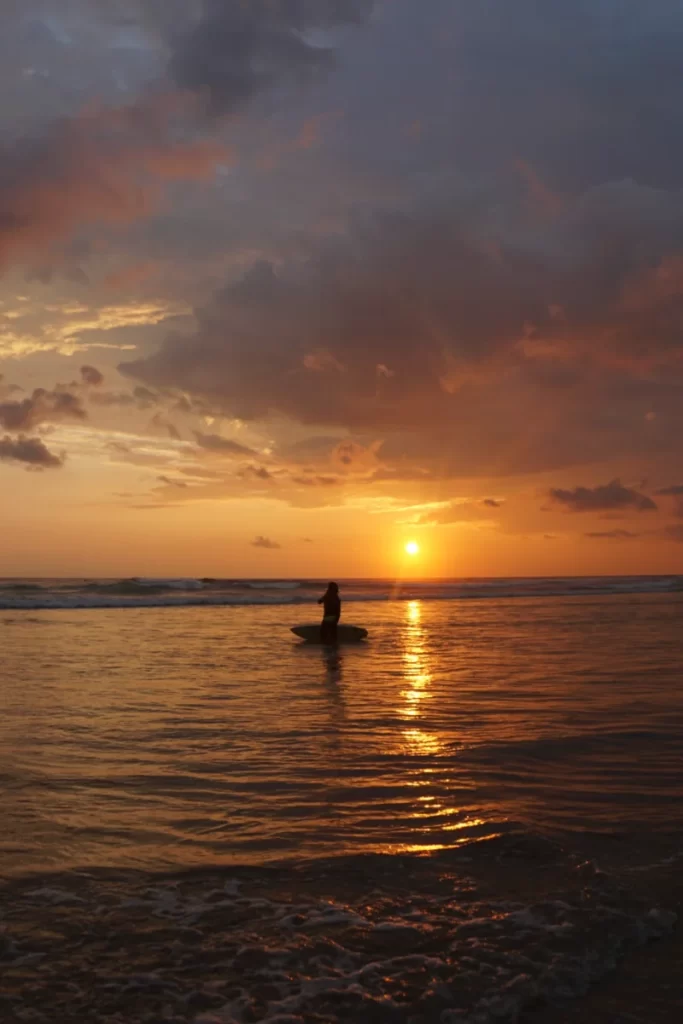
{"x": 474, "y": 814}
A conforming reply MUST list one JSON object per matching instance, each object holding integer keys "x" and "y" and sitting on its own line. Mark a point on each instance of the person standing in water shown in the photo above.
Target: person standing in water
{"x": 331, "y": 613}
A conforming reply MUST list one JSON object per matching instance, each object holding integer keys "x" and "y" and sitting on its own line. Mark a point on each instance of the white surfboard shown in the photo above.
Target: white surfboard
{"x": 345, "y": 634}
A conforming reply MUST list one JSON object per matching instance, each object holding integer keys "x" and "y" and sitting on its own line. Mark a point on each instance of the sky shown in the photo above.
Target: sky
{"x": 287, "y": 284}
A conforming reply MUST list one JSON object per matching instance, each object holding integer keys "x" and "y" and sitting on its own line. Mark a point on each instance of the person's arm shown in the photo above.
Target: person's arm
{"x": 320, "y": 600}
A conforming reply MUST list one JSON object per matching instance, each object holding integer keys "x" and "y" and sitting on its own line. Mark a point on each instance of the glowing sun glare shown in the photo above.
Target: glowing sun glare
{"x": 412, "y": 548}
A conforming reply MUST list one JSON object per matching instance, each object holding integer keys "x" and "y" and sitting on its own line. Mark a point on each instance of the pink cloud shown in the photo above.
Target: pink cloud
{"x": 106, "y": 166}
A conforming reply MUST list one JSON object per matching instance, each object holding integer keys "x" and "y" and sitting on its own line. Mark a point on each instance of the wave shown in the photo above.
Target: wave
{"x": 267, "y": 585}
{"x": 119, "y": 598}
{"x": 144, "y": 591}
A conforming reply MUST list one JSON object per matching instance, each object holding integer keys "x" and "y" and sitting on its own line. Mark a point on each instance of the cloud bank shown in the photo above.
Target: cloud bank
{"x": 605, "y": 498}
{"x": 30, "y": 451}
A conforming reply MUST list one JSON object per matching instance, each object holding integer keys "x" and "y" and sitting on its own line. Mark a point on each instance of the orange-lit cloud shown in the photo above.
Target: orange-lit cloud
{"x": 103, "y": 166}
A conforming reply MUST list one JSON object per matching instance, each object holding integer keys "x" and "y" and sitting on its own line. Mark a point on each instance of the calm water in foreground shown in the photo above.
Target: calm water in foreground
{"x": 162, "y": 738}
{"x": 148, "y": 737}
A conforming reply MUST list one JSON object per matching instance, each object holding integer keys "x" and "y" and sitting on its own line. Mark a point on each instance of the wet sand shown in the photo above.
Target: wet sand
{"x": 473, "y": 936}
{"x": 647, "y": 986}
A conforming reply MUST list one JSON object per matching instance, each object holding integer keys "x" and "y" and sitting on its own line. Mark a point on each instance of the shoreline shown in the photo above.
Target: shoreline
{"x": 510, "y": 926}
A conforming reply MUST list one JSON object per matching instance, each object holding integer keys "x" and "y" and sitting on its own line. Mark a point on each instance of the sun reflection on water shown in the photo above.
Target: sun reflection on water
{"x": 418, "y": 679}
{"x": 433, "y": 816}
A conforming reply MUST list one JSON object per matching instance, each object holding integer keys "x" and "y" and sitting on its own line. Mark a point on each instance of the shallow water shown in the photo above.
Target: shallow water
{"x": 172, "y": 737}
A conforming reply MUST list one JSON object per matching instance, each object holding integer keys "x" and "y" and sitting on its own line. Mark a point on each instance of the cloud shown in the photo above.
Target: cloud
{"x": 42, "y": 407}
{"x": 121, "y": 399}
{"x": 508, "y": 300}
{"x": 29, "y": 450}
{"x": 71, "y": 327}
{"x": 266, "y": 543}
{"x": 531, "y": 266}
{"x": 491, "y": 503}
{"x": 140, "y": 397}
{"x": 172, "y": 483}
{"x": 674, "y": 491}
{"x": 604, "y": 498}
{"x": 674, "y": 533}
{"x": 160, "y": 421}
{"x": 447, "y": 513}
{"x": 613, "y": 535}
{"x": 316, "y": 480}
{"x": 238, "y": 50}
{"x": 597, "y": 73}
{"x": 104, "y": 166}
{"x": 91, "y": 376}
{"x": 256, "y": 473}
{"x": 221, "y": 445}
{"x": 466, "y": 326}
{"x": 312, "y": 447}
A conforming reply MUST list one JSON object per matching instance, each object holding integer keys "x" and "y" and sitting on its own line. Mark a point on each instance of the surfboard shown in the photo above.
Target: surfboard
{"x": 345, "y": 634}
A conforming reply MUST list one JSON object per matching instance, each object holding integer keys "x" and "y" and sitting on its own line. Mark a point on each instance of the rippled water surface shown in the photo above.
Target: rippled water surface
{"x": 152, "y": 737}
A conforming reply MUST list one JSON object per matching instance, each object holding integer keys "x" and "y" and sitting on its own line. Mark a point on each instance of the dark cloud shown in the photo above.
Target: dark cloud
{"x": 91, "y": 376}
{"x": 372, "y": 300}
{"x": 613, "y": 535}
{"x": 510, "y": 299}
{"x": 239, "y": 49}
{"x": 674, "y": 533}
{"x": 120, "y": 447}
{"x": 316, "y": 480}
{"x": 29, "y": 450}
{"x": 121, "y": 399}
{"x": 172, "y": 483}
{"x": 265, "y": 542}
{"x": 473, "y": 310}
{"x": 160, "y": 421}
{"x": 604, "y": 498}
{"x": 257, "y": 473}
{"x": 146, "y": 397}
{"x": 42, "y": 407}
{"x": 140, "y": 397}
{"x": 609, "y": 76}
{"x": 492, "y": 503}
{"x": 102, "y": 167}
{"x": 214, "y": 443}
{"x": 562, "y": 87}
{"x": 675, "y": 491}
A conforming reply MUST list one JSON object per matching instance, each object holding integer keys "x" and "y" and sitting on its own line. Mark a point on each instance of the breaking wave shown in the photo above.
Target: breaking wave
{"x": 140, "y": 591}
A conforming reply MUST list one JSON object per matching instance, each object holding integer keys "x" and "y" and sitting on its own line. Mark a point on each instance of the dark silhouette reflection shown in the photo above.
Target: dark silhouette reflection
{"x": 334, "y": 693}
{"x": 333, "y": 663}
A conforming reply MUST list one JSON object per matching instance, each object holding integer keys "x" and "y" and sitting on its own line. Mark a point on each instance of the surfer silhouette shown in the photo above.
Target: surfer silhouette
{"x": 331, "y": 613}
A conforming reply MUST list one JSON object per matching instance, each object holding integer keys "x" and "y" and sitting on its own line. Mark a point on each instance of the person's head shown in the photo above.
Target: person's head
{"x": 333, "y": 588}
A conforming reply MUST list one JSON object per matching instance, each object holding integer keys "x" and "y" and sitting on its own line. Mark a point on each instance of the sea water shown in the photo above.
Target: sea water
{"x": 465, "y": 815}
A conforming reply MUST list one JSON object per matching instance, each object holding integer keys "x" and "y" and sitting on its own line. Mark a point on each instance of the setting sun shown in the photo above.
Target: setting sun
{"x": 412, "y": 548}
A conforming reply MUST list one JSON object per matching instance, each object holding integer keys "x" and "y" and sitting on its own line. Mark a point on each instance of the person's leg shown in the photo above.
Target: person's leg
{"x": 333, "y": 631}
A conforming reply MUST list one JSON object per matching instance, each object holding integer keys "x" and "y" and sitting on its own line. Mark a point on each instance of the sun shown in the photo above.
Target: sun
{"x": 412, "y": 548}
